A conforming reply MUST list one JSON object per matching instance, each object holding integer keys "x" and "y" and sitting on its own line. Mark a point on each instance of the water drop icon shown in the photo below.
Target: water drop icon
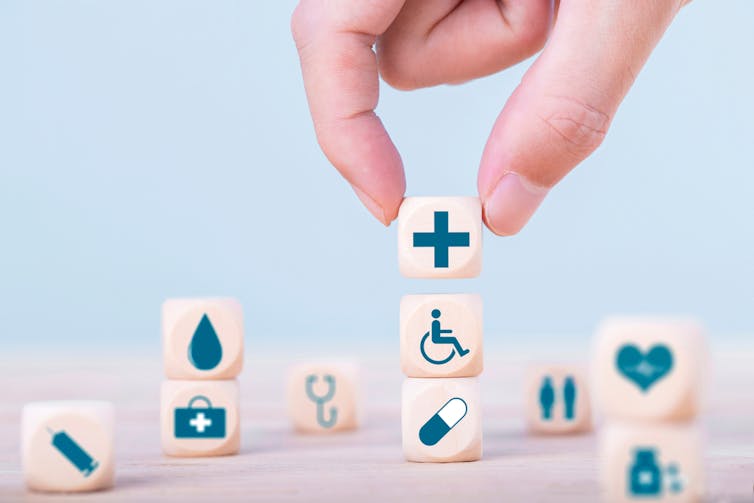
{"x": 205, "y": 350}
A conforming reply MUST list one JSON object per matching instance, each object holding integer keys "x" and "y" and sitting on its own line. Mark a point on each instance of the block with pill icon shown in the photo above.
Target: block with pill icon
{"x": 645, "y": 462}
{"x": 649, "y": 368}
{"x": 200, "y": 418}
{"x": 67, "y": 446}
{"x": 557, "y": 399}
{"x": 202, "y": 338}
{"x": 441, "y": 335}
{"x": 441, "y": 420}
{"x": 323, "y": 397}
{"x": 440, "y": 237}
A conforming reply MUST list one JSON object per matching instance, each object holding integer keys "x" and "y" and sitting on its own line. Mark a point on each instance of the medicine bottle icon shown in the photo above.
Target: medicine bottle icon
{"x": 645, "y": 476}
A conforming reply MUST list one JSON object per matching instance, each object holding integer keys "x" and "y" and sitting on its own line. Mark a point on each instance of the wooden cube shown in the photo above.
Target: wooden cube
{"x": 324, "y": 397}
{"x": 200, "y": 418}
{"x": 441, "y": 420}
{"x": 557, "y": 400}
{"x": 441, "y": 335}
{"x": 202, "y": 338}
{"x": 67, "y": 446}
{"x": 649, "y": 369}
{"x": 440, "y": 237}
{"x": 646, "y": 462}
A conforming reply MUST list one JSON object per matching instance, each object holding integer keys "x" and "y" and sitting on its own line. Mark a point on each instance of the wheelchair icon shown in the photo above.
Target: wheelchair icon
{"x": 435, "y": 334}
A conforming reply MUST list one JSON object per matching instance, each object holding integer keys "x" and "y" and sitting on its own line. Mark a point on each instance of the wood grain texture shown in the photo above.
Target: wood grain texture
{"x": 277, "y": 464}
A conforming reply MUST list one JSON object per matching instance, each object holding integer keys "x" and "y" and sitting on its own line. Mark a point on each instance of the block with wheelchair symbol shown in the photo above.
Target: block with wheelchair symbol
{"x": 202, "y": 338}
{"x": 557, "y": 400}
{"x": 441, "y": 335}
{"x": 645, "y": 462}
{"x": 67, "y": 446}
{"x": 200, "y": 418}
{"x": 441, "y": 420}
{"x": 323, "y": 397}
{"x": 440, "y": 237}
{"x": 649, "y": 369}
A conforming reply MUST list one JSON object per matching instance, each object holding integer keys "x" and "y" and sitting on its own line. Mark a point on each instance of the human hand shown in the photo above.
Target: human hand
{"x": 556, "y": 117}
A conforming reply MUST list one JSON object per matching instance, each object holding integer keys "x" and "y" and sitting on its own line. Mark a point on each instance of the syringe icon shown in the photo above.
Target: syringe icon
{"x": 73, "y": 452}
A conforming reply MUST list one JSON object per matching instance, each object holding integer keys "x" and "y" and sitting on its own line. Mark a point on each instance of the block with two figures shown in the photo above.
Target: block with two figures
{"x": 323, "y": 397}
{"x": 67, "y": 446}
{"x": 557, "y": 399}
{"x": 649, "y": 369}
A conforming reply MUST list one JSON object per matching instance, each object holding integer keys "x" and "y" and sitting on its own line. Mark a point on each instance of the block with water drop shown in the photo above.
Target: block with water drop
{"x": 557, "y": 399}
{"x": 67, "y": 446}
{"x": 202, "y": 338}
{"x": 323, "y": 397}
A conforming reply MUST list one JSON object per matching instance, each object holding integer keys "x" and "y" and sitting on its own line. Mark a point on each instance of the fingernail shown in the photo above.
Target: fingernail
{"x": 512, "y": 203}
{"x": 374, "y": 208}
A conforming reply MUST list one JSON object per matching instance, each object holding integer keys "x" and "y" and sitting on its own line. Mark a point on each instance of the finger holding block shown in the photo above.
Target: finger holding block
{"x": 323, "y": 397}
{"x": 557, "y": 400}
{"x": 67, "y": 446}
{"x": 200, "y": 418}
{"x": 441, "y": 420}
{"x": 202, "y": 338}
{"x": 440, "y": 237}
{"x": 649, "y": 369}
{"x": 651, "y": 463}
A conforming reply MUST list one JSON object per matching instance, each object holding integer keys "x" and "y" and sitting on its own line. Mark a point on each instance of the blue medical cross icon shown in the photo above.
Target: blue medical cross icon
{"x": 441, "y": 239}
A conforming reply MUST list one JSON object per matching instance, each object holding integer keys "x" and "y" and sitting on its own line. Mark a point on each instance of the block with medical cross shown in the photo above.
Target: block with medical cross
{"x": 440, "y": 237}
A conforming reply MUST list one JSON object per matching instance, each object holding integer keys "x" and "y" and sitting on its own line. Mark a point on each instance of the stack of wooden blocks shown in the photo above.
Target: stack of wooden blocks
{"x": 203, "y": 355}
{"x": 441, "y": 334}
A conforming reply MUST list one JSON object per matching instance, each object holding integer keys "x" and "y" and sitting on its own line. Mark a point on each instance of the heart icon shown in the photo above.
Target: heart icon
{"x": 644, "y": 369}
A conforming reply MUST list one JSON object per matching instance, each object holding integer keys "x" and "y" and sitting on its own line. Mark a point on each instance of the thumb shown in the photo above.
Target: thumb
{"x": 562, "y": 109}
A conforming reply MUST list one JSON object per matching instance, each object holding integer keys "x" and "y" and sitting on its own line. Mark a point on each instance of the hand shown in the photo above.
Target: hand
{"x": 556, "y": 117}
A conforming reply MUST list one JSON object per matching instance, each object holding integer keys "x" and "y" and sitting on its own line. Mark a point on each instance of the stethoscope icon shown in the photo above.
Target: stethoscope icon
{"x": 321, "y": 400}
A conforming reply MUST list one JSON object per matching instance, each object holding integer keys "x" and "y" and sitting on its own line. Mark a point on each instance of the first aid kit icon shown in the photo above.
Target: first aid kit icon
{"x": 199, "y": 422}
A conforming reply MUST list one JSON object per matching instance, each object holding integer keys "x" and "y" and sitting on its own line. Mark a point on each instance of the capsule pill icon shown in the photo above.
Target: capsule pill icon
{"x": 73, "y": 452}
{"x": 443, "y": 421}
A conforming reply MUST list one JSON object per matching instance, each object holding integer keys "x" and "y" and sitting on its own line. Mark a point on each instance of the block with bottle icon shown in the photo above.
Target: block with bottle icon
{"x": 202, "y": 338}
{"x": 323, "y": 397}
{"x": 441, "y": 335}
{"x": 440, "y": 237}
{"x": 644, "y": 462}
{"x": 441, "y": 419}
{"x": 557, "y": 399}
{"x": 649, "y": 369}
{"x": 67, "y": 446}
{"x": 200, "y": 418}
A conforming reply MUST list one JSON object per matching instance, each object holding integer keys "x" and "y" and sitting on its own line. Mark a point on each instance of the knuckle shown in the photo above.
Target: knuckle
{"x": 579, "y": 126}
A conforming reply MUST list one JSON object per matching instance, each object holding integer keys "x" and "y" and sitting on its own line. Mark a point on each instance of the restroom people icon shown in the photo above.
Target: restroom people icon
{"x": 548, "y": 398}
{"x": 435, "y": 335}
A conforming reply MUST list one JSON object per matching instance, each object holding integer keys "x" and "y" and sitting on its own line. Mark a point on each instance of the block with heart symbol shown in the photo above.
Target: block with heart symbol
{"x": 557, "y": 399}
{"x": 649, "y": 369}
{"x": 651, "y": 463}
{"x": 441, "y": 335}
{"x": 324, "y": 397}
{"x": 440, "y": 237}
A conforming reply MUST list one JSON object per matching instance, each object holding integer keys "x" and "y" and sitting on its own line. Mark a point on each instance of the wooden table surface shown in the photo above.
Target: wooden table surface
{"x": 276, "y": 464}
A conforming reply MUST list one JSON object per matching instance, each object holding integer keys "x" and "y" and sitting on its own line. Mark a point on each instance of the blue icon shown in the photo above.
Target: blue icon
{"x": 322, "y": 400}
{"x": 646, "y": 478}
{"x": 644, "y": 370}
{"x": 205, "y": 350}
{"x": 441, "y": 239}
{"x": 73, "y": 452}
{"x": 436, "y": 335}
{"x": 443, "y": 421}
{"x": 547, "y": 398}
{"x": 205, "y": 422}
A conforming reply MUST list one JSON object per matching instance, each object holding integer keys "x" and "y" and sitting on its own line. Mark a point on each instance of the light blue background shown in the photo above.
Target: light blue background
{"x": 155, "y": 149}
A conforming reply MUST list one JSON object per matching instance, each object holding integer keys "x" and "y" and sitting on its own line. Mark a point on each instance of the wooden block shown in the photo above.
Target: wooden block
{"x": 67, "y": 446}
{"x": 200, "y": 418}
{"x": 441, "y": 420}
{"x": 457, "y": 320}
{"x": 557, "y": 400}
{"x": 440, "y": 237}
{"x": 651, "y": 463}
{"x": 324, "y": 397}
{"x": 648, "y": 369}
{"x": 202, "y": 338}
